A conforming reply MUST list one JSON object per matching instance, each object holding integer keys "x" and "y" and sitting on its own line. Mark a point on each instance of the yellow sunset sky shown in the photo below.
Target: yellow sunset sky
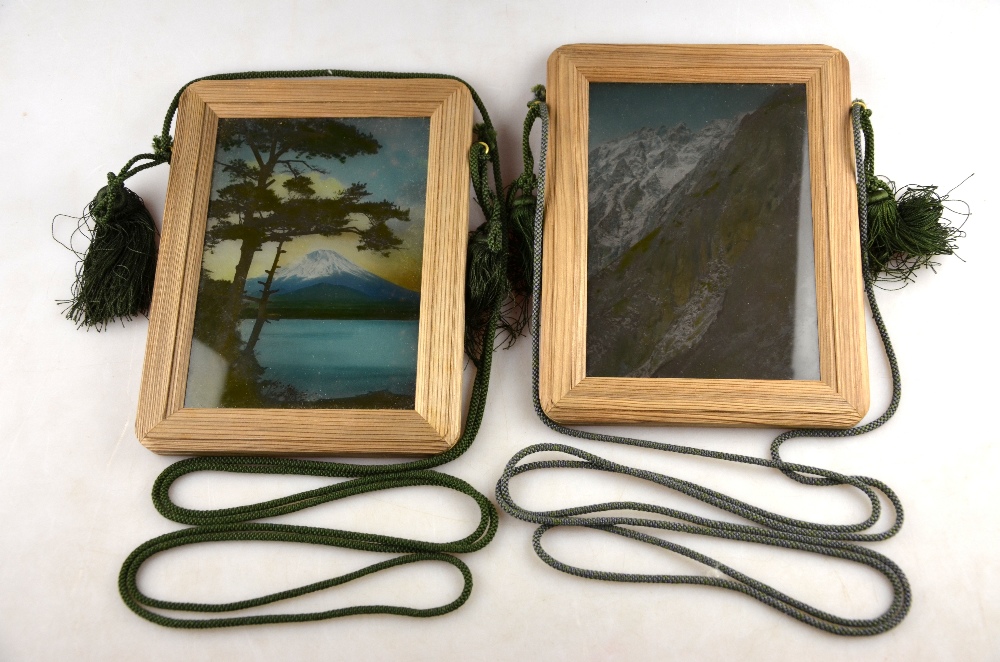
{"x": 402, "y": 267}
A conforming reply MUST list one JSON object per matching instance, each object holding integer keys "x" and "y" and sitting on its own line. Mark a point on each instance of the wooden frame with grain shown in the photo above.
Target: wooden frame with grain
{"x": 840, "y": 397}
{"x": 434, "y": 425}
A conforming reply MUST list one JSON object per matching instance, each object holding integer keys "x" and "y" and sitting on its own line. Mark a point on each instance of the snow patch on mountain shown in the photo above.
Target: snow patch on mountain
{"x": 630, "y": 177}
{"x": 331, "y": 268}
{"x": 321, "y": 264}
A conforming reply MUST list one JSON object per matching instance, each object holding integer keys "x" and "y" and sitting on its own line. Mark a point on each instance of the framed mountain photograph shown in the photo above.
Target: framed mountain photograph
{"x": 702, "y": 252}
{"x": 310, "y": 286}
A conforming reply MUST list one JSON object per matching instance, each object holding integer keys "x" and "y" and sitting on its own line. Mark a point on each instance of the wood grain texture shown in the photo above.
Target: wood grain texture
{"x": 295, "y": 432}
{"x": 840, "y": 397}
{"x": 845, "y": 237}
{"x": 164, "y": 425}
{"x": 442, "y": 303}
{"x": 154, "y": 390}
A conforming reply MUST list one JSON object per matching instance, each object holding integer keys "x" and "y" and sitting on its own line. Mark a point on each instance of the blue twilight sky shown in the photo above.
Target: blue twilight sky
{"x": 618, "y": 109}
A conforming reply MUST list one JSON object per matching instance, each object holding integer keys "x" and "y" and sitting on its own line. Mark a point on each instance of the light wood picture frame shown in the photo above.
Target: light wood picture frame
{"x": 839, "y": 397}
{"x": 432, "y": 423}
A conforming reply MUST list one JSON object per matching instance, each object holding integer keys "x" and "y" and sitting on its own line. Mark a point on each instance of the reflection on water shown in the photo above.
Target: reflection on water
{"x": 325, "y": 360}
{"x": 339, "y": 358}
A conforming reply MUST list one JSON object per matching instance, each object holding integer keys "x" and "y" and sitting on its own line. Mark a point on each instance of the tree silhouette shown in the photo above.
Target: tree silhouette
{"x": 252, "y": 209}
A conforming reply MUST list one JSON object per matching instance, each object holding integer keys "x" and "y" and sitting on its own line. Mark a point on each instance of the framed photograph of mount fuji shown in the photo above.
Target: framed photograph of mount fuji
{"x": 702, "y": 253}
{"x": 310, "y": 286}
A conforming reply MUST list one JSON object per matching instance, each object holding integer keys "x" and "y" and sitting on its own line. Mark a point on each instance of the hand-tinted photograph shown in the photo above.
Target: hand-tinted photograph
{"x": 700, "y": 251}
{"x": 310, "y": 283}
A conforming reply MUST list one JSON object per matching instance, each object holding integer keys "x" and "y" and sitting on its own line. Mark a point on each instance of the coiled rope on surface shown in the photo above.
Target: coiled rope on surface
{"x": 766, "y": 528}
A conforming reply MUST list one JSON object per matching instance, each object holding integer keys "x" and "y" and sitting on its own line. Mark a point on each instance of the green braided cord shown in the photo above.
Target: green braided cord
{"x": 521, "y": 202}
{"x": 521, "y": 193}
{"x": 489, "y": 137}
{"x": 237, "y": 524}
{"x": 490, "y": 256}
{"x": 864, "y": 153}
{"x": 768, "y": 528}
{"x": 163, "y": 143}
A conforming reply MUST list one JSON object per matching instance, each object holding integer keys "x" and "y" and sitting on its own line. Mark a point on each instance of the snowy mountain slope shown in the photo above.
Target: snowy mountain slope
{"x": 629, "y": 178}
{"x": 328, "y": 267}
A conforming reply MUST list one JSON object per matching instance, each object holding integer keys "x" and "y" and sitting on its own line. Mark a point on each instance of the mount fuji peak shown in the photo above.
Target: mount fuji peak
{"x": 328, "y": 267}
{"x": 321, "y": 264}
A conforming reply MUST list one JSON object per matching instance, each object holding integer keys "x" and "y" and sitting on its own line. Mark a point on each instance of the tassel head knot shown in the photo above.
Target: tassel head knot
{"x": 109, "y": 201}
{"x": 163, "y": 148}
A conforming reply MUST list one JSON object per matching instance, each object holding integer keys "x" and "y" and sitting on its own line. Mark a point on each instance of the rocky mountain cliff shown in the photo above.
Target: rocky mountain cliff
{"x": 629, "y": 177}
{"x": 707, "y": 288}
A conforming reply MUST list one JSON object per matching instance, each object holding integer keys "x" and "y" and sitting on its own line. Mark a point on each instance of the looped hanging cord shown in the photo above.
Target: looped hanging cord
{"x": 229, "y": 524}
{"x": 232, "y": 524}
{"x": 163, "y": 143}
{"x": 768, "y": 528}
{"x": 239, "y": 523}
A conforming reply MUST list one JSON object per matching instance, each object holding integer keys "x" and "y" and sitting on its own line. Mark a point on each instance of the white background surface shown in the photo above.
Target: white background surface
{"x": 83, "y": 87}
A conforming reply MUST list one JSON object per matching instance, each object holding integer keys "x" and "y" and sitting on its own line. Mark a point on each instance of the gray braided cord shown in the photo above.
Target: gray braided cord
{"x": 768, "y": 528}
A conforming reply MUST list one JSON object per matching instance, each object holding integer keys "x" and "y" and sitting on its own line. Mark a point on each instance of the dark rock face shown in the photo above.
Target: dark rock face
{"x": 708, "y": 288}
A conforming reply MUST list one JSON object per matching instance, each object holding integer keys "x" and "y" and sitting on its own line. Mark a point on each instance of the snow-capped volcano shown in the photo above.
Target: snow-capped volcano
{"x": 321, "y": 264}
{"x": 328, "y": 267}
{"x": 629, "y": 178}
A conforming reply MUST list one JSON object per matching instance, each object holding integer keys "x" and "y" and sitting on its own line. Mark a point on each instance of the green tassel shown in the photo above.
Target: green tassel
{"x": 486, "y": 284}
{"x": 906, "y": 227}
{"x": 906, "y": 231}
{"x": 522, "y": 227}
{"x": 522, "y": 200}
{"x": 114, "y": 279}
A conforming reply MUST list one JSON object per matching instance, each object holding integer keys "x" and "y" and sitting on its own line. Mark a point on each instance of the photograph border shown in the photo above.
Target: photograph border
{"x": 840, "y": 397}
{"x": 163, "y": 424}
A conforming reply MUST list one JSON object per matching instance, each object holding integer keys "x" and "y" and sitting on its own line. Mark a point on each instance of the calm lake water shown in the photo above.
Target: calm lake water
{"x": 339, "y": 358}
